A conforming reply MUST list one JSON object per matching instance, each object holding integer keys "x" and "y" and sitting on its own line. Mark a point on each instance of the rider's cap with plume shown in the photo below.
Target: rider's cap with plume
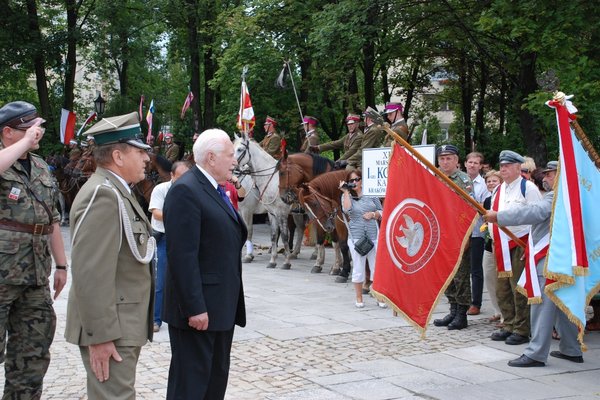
{"x": 310, "y": 120}
{"x": 270, "y": 120}
{"x": 119, "y": 129}
{"x": 352, "y": 119}
{"x": 392, "y": 106}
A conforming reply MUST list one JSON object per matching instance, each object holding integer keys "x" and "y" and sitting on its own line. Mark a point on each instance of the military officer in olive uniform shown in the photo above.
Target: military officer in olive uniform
{"x": 459, "y": 290}
{"x": 29, "y": 235}
{"x": 110, "y": 308}
{"x": 372, "y": 137}
{"x": 272, "y": 141}
{"x": 171, "y": 149}
{"x": 311, "y": 138}
{"x": 393, "y": 112}
{"x": 349, "y": 143}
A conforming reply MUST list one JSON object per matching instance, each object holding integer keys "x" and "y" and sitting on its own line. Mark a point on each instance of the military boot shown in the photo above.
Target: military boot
{"x": 448, "y": 318}
{"x": 460, "y": 319}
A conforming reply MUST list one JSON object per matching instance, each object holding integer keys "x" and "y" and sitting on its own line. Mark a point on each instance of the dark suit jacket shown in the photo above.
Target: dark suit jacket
{"x": 204, "y": 243}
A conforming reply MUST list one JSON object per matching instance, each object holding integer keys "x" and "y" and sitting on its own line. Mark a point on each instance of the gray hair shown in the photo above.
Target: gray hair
{"x": 211, "y": 140}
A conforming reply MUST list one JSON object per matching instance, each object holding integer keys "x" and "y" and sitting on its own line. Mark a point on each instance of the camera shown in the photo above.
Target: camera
{"x": 348, "y": 186}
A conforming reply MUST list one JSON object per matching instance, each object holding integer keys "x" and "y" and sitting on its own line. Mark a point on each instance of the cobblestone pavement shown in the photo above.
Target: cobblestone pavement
{"x": 306, "y": 340}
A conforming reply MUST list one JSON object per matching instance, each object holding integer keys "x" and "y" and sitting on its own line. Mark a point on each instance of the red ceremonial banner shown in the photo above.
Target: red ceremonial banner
{"x": 424, "y": 230}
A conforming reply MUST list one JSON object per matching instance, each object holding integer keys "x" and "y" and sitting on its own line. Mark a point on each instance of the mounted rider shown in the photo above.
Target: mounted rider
{"x": 272, "y": 141}
{"x": 311, "y": 134}
{"x": 349, "y": 143}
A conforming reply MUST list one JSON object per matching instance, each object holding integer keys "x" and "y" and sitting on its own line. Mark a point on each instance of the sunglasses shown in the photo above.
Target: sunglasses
{"x": 525, "y": 171}
{"x": 353, "y": 180}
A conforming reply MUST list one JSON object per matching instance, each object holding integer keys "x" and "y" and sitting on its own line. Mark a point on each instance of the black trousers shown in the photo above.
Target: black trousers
{"x": 477, "y": 247}
{"x": 199, "y": 364}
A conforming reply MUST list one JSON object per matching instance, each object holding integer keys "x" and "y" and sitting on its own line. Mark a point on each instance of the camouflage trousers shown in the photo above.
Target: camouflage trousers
{"x": 459, "y": 290}
{"x": 27, "y": 323}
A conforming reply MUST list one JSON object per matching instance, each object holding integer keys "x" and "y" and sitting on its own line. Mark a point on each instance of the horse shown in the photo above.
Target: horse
{"x": 263, "y": 170}
{"x": 67, "y": 185}
{"x": 247, "y": 207}
{"x": 158, "y": 170}
{"x": 296, "y": 170}
{"x": 321, "y": 198}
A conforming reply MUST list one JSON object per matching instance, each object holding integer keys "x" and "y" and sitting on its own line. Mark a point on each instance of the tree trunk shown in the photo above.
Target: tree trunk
{"x": 40, "y": 67}
{"x": 530, "y": 128}
{"x": 71, "y": 59}
{"x": 466, "y": 94}
{"x": 209, "y": 92}
{"x": 502, "y": 105}
{"x": 192, "y": 30}
{"x": 410, "y": 91}
{"x": 480, "y": 112}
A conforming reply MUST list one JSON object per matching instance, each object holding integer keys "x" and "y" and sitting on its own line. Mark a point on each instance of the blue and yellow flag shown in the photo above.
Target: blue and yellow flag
{"x": 573, "y": 261}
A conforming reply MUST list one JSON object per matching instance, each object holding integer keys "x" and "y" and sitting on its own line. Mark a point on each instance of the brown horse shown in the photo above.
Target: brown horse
{"x": 298, "y": 168}
{"x": 69, "y": 180}
{"x": 158, "y": 170}
{"x": 295, "y": 173}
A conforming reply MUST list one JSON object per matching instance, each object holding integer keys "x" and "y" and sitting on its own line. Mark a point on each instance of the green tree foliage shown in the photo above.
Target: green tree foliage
{"x": 495, "y": 59}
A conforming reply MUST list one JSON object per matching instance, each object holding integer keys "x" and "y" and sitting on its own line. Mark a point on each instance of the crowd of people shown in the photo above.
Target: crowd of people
{"x": 183, "y": 265}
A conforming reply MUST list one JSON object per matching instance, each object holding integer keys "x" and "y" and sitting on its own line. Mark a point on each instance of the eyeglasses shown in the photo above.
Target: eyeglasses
{"x": 353, "y": 180}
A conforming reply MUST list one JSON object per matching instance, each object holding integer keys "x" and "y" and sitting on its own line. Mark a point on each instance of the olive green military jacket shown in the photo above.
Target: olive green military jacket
{"x": 172, "y": 152}
{"x": 112, "y": 294}
{"x": 24, "y": 257}
{"x": 311, "y": 140}
{"x": 349, "y": 143}
{"x": 373, "y": 137}
{"x": 272, "y": 145}
{"x": 399, "y": 127}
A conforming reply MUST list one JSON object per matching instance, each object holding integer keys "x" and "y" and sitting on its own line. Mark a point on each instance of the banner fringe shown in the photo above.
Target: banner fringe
{"x": 505, "y": 274}
{"x": 549, "y": 290}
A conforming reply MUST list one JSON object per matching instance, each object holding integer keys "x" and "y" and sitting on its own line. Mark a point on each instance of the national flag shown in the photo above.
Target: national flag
{"x": 424, "y": 231}
{"x": 187, "y": 103}
{"x": 246, "y": 118}
{"x": 424, "y": 138}
{"x": 141, "y": 112}
{"x": 149, "y": 116}
{"x": 573, "y": 260}
{"x": 67, "y": 126}
{"x": 89, "y": 119}
{"x": 529, "y": 284}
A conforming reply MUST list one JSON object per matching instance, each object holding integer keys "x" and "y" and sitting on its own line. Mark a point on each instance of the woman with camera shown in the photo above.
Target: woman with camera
{"x": 364, "y": 212}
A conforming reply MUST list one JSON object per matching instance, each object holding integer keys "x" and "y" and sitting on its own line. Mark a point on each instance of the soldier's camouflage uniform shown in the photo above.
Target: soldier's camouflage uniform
{"x": 27, "y": 319}
{"x": 459, "y": 290}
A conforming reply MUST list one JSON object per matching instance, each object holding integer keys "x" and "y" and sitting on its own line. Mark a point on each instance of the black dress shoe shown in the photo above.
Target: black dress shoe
{"x": 515, "y": 338}
{"x": 524, "y": 362}
{"x": 575, "y": 359}
{"x": 500, "y": 336}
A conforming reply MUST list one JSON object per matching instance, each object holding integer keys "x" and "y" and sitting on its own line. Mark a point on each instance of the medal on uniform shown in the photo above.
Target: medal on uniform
{"x": 142, "y": 239}
{"x": 14, "y": 193}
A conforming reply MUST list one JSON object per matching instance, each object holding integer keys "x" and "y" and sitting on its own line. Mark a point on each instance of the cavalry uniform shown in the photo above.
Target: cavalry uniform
{"x": 349, "y": 143}
{"x": 27, "y": 319}
{"x": 373, "y": 137}
{"x": 311, "y": 139}
{"x": 172, "y": 152}
{"x": 272, "y": 145}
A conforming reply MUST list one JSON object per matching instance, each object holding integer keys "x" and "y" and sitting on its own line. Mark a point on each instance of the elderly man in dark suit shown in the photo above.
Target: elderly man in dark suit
{"x": 109, "y": 315}
{"x": 204, "y": 296}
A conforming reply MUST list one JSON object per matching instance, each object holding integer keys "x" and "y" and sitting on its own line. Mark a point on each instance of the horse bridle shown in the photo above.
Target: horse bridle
{"x": 251, "y": 172}
{"x": 330, "y": 217}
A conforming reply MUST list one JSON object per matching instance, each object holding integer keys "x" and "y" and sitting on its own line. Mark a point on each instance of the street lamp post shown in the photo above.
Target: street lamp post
{"x": 99, "y": 105}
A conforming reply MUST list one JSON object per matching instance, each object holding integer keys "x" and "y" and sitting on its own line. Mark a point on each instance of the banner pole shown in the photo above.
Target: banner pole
{"x": 448, "y": 181}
